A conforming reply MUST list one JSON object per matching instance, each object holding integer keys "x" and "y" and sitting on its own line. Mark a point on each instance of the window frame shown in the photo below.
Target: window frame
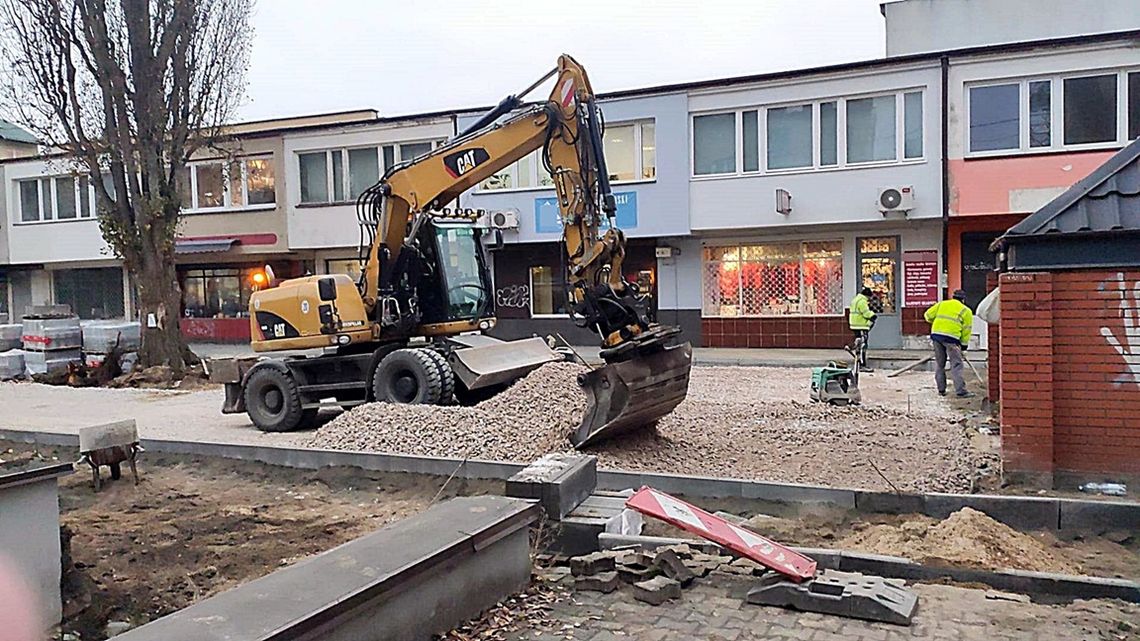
{"x": 740, "y": 274}
{"x": 346, "y": 173}
{"x": 1056, "y": 112}
{"x": 816, "y": 134}
{"x": 536, "y": 172}
{"x": 227, "y": 182}
{"x": 52, "y": 193}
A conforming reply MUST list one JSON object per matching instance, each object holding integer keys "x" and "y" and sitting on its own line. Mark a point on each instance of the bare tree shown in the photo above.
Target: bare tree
{"x": 129, "y": 89}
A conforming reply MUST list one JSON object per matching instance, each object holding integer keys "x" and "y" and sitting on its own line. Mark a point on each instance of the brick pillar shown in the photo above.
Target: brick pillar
{"x": 1026, "y": 377}
{"x": 993, "y": 356}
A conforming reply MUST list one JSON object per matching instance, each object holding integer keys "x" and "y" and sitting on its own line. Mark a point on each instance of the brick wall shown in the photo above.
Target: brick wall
{"x": 1070, "y": 375}
{"x": 789, "y": 331}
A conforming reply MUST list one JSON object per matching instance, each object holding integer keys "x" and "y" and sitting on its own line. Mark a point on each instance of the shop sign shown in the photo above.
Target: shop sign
{"x": 920, "y": 277}
{"x": 546, "y": 213}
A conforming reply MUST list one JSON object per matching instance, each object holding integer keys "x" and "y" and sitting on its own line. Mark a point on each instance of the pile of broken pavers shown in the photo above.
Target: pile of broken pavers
{"x": 585, "y": 520}
{"x": 655, "y": 576}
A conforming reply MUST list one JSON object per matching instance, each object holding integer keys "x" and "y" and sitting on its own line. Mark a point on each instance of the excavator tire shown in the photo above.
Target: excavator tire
{"x": 273, "y": 402}
{"x": 446, "y": 377}
{"x": 408, "y": 376}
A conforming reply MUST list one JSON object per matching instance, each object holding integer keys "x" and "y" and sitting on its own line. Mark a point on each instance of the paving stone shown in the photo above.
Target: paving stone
{"x": 634, "y": 573}
{"x": 599, "y": 582}
{"x": 656, "y": 591}
{"x": 673, "y": 567}
{"x": 591, "y": 563}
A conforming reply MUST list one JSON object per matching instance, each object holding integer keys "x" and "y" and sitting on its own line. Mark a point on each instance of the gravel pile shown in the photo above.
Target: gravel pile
{"x": 742, "y": 422}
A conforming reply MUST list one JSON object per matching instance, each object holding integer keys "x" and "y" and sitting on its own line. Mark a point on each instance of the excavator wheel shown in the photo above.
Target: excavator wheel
{"x": 273, "y": 402}
{"x": 408, "y": 376}
{"x": 446, "y": 377}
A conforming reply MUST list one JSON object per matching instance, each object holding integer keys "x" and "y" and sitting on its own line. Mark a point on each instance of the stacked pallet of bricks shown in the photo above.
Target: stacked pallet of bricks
{"x": 101, "y": 337}
{"x": 11, "y": 357}
{"x": 52, "y": 339}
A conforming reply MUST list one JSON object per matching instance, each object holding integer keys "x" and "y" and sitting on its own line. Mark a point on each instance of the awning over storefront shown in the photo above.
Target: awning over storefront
{"x": 204, "y": 245}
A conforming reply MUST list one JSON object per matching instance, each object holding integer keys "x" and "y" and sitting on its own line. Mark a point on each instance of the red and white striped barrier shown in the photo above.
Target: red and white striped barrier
{"x": 693, "y": 519}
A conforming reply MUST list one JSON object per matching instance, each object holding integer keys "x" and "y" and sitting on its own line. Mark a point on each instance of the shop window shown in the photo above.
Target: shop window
{"x": 630, "y": 150}
{"x": 1090, "y": 109}
{"x": 994, "y": 117}
{"x": 871, "y": 129}
{"x": 349, "y": 266}
{"x": 778, "y": 279}
{"x": 216, "y": 293}
{"x": 878, "y": 269}
{"x": 547, "y": 291}
{"x": 714, "y": 144}
{"x": 91, "y": 293}
{"x": 789, "y": 137}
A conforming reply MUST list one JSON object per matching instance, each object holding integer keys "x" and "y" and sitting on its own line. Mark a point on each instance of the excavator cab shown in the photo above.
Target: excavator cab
{"x": 457, "y": 283}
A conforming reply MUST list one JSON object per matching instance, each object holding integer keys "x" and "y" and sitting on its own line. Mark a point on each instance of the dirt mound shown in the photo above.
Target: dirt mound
{"x": 966, "y": 538}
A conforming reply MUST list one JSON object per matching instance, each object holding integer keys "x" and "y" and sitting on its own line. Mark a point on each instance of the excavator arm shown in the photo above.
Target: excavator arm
{"x": 646, "y": 375}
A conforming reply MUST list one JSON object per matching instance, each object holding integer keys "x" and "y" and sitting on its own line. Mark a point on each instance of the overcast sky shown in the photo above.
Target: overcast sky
{"x": 408, "y": 56}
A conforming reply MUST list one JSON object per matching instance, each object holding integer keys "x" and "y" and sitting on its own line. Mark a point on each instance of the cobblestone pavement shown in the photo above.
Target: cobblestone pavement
{"x": 716, "y": 612}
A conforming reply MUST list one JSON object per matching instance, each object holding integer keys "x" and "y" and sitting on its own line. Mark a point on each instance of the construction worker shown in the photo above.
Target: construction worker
{"x": 861, "y": 319}
{"x": 951, "y": 322}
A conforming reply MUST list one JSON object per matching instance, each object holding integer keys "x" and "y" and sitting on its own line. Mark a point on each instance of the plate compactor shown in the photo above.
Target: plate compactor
{"x": 836, "y": 383}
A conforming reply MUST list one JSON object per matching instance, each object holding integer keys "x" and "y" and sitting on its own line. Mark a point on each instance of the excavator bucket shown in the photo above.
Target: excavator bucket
{"x": 484, "y": 361}
{"x": 632, "y": 394}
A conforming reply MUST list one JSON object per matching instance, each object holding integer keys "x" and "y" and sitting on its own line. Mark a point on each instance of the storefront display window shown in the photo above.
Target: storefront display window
{"x": 547, "y": 291}
{"x": 216, "y": 293}
{"x": 776, "y": 279}
{"x": 350, "y": 266}
{"x": 878, "y": 269}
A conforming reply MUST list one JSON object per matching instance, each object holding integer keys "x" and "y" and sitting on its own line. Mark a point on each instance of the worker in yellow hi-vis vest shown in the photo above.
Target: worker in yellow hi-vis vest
{"x": 951, "y": 323}
{"x": 861, "y": 319}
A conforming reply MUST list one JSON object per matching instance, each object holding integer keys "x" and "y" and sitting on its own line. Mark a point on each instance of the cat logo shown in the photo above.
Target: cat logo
{"x": 463, "y": 161}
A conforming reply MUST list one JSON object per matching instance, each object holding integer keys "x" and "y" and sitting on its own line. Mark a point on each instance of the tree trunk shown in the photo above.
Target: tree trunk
{"x": 160, "y": 300}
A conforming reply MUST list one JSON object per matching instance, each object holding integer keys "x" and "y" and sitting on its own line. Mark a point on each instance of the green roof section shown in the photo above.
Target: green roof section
{"x": 11, "y": 132}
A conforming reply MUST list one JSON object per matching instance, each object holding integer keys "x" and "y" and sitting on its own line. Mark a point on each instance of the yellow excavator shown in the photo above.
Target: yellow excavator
{"x": 413, "y": 329}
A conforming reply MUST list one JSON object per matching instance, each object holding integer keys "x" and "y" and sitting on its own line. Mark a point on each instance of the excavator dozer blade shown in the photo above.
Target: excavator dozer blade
{"x": 486, "y": 361}
{"x": 630, "y": 395}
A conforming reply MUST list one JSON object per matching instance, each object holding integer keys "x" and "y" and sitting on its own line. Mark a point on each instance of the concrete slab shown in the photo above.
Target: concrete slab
{"x": 843, "y": 594}
{"x": 417, "y": 577}
{"x": 560, "y": 482}
{"x": 889, "y": 502}
{"x": 1100, "y": 516}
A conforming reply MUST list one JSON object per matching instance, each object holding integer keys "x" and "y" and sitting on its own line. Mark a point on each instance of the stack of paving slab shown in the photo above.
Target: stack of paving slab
{"x": 11, "y": 357}
{"x": 100, "y": 337}
{"x": 52, "y": 341}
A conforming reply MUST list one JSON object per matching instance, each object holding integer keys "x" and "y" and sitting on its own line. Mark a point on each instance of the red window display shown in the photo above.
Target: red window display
{"x": 774, "y": 279}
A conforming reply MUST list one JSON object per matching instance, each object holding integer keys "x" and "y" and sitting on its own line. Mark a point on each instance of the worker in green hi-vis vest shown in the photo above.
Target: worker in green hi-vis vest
{"x": 860, "y": 320}
{"x": 951, "y": 323}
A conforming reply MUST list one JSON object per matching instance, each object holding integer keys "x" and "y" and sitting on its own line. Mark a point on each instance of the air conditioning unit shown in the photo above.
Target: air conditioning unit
{"x": 507, "y": 219}
{"x": 896, "y": 199}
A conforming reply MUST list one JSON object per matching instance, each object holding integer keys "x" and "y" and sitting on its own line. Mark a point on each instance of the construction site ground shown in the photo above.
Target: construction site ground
{"x": 744, "y": 422}
{"x": 195, "y": 526}
{"x": 712, "y": 610}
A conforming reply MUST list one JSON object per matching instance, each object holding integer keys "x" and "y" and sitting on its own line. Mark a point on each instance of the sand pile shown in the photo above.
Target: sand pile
{"x": 966, "y": 538}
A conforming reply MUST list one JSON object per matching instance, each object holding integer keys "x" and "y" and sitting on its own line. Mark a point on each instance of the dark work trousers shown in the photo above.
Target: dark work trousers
{"x": 953, "y": 353}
